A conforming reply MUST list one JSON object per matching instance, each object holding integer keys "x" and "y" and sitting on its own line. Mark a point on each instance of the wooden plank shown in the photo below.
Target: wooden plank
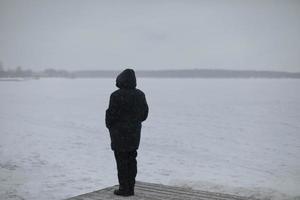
{"x": 152, "y": 191}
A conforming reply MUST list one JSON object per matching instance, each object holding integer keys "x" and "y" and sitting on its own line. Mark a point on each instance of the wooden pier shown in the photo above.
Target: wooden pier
{"x": 151, "y": 191}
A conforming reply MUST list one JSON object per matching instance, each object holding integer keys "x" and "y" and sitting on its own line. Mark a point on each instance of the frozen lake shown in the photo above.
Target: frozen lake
{"x": 240, "y": 136}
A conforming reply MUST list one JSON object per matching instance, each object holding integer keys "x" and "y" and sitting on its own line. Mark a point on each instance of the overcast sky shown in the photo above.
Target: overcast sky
{"x": 86, "y": 34}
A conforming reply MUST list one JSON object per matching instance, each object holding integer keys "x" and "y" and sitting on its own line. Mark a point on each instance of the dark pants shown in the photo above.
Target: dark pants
{"x": 127, "y": 169}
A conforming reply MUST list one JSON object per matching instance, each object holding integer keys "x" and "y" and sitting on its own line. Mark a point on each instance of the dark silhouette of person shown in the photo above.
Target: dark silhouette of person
{"x": 127, "y": 110}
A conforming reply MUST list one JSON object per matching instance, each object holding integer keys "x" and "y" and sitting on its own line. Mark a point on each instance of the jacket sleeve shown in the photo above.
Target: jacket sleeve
{"x": 111, "y": 114}
{"x": 145, "y": 109}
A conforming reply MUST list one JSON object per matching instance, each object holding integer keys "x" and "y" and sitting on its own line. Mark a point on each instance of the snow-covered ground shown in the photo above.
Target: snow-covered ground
{"x": 240, "y": 136}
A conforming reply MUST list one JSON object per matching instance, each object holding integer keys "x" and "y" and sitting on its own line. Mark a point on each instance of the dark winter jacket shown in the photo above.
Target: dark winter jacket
{"x": 127, "y": 110}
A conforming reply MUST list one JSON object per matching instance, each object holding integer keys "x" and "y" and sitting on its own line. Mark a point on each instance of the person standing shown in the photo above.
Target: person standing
{"x": 127, "y": 110}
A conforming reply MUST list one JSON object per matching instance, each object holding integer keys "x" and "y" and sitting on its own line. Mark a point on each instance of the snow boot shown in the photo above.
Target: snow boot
{"x": 124, "y": 193}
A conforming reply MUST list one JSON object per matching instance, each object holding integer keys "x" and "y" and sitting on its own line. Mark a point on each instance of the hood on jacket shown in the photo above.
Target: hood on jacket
{"x": 126, "y": 79}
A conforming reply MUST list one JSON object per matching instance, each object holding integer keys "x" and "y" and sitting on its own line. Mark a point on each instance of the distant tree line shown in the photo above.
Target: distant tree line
{"x": 17, "y": 72}
{"x": 189, "y": 73}
{"x": 56, "y": 73}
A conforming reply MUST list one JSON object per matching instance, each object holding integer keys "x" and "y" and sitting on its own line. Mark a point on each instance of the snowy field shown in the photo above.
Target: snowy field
{"x": 240, "y": 136}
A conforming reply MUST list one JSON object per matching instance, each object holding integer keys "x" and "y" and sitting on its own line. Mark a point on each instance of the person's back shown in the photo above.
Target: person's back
{"x": 127, "y": 110}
